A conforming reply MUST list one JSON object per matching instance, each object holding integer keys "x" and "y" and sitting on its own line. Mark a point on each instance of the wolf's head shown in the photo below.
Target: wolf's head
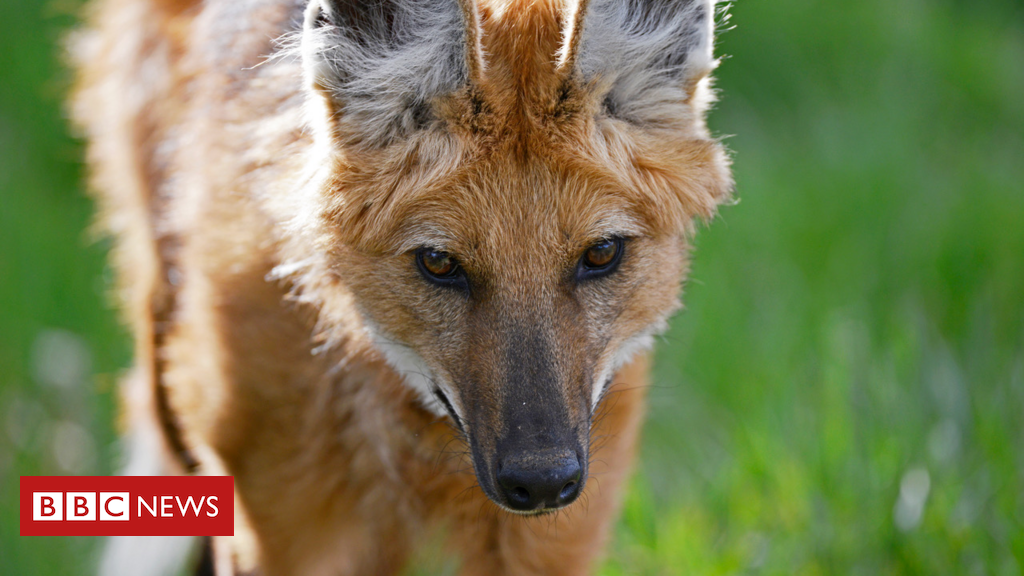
{"x": 505, "y": 192}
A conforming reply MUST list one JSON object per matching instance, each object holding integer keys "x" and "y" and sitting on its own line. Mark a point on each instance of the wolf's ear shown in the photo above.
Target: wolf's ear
{"x": 641, "y": 56}
{"x": 378, "y": 65}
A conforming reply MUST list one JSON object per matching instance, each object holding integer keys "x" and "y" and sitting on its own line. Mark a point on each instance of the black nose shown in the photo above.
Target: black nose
{"x": 540, "y": 480}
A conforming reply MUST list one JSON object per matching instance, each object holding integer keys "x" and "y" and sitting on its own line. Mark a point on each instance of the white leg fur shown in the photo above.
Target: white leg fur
{"x": 145, "y": 555}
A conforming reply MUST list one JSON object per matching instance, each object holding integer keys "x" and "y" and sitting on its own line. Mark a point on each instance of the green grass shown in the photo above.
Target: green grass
{"x": 53, "y": 302}
{"x": 842, "y": 395}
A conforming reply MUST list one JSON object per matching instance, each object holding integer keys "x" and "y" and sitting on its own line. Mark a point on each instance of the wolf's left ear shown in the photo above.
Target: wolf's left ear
{"x": 378, "y": 65}
{"x": 642, "y": 56}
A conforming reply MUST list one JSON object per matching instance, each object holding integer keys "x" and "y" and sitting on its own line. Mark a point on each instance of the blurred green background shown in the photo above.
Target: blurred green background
{"x": 844, "y": 392}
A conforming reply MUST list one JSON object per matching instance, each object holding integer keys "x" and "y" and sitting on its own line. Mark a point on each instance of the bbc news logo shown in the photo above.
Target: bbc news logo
{"x": 114, "y": 506}
{"x": 127, "y": 506}
{"x": 81, "y": 505}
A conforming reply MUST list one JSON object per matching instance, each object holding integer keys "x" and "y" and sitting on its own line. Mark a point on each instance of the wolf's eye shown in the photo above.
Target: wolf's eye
{"x": 440, "y": 267}
{"x": 439, "y": 264}
{"x": 600, "y": 259}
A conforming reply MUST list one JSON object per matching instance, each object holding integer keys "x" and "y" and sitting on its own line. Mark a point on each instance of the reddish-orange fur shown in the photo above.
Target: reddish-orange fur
{"x": 195, "y": 142}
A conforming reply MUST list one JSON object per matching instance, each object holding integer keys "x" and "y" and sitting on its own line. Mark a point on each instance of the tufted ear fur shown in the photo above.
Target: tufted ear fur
{"x": 378, "y": 65}
{"x": 644, "y": 57}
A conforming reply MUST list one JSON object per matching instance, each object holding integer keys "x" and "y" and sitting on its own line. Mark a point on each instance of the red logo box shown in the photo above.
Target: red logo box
{"x": 127, "y": 505}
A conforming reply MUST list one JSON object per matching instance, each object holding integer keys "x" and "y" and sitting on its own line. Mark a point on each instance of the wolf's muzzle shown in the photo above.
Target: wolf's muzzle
{"x": 540, "y": 480}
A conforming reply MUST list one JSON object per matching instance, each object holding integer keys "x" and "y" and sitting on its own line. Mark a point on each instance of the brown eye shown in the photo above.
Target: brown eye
{"x": 438, "y": 263}
{"x": 601, "y": 259}
{"x": 601, "y": 254}
{"x": 440, "y": 268}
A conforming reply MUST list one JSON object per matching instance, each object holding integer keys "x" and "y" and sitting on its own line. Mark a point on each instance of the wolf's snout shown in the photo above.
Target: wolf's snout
{"x": 539, "y": 481}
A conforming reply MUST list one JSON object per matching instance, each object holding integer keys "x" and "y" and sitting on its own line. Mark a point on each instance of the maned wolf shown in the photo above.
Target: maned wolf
{"x": 395, "y": 264}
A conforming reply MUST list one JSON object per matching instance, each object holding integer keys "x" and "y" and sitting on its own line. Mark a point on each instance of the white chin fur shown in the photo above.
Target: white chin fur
{"x": 628, "y": 350}
{"x": 414, "y": 371}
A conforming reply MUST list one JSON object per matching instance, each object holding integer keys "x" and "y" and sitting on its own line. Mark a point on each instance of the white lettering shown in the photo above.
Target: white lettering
{"x": 167, "y": 506}
{"x": 190, "y": 503}
{"x": 142, "y": 502}
{"x": 209, "y": 502}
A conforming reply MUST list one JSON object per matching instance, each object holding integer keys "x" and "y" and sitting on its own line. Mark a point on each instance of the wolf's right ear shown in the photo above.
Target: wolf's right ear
{"x": 378, "y": 65}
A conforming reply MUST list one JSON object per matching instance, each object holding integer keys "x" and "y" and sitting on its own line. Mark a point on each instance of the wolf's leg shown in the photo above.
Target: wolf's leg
{"x": 145, "y": 453}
